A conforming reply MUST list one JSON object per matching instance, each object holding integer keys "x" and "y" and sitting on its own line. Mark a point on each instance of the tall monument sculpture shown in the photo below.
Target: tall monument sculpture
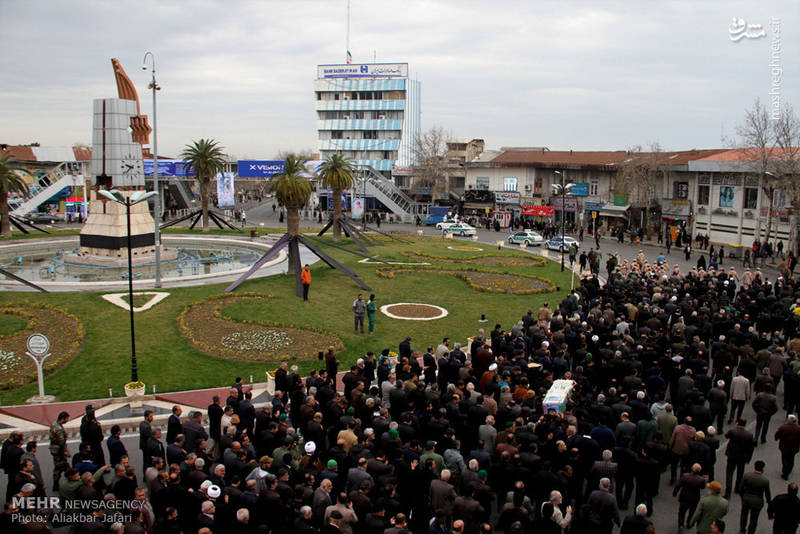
{"x": 119, "y": 131}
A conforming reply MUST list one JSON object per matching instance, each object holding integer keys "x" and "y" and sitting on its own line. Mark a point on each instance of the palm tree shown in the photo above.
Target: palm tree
{"x": 336, "y": 173}
{"x": 207, "y": 158}
{"x": 292, "y": 189}
{"x": 10, "y": 181}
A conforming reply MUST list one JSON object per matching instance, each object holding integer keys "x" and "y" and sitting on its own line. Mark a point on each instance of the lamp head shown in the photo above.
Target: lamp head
{"x": 114, "y": 195}
{"x": 144, "y": 67}
{"x": 568, "y": 187}
{"x": 140, "y": 196}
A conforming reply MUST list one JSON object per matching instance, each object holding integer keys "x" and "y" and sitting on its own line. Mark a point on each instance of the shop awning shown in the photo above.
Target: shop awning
{"x": 474, "y": 206}
{"x": 610, "y": 210}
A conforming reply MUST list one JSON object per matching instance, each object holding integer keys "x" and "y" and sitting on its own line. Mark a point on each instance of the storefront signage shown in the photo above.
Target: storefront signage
{"x": 580, "y": 189}
{"x": 571, "y": 204}
{"x": 593, "y": 206}
{"x": 538, "y": 211}
{"x": 506, "y": 197}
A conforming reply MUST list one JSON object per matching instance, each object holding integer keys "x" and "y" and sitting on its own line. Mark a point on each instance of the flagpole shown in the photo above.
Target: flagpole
{"x": 347, "y": 49}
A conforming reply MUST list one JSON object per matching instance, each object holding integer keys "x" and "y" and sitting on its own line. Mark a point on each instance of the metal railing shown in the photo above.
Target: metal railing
{"x": 44, "y": 187}
{"x": 387, "y": 192}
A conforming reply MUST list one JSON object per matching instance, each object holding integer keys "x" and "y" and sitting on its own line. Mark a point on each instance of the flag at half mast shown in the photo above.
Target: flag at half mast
{"x": 349, "y": 57}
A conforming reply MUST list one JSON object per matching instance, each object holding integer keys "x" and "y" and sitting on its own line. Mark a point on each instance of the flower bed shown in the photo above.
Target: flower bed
{"x": 466, "y": 247}
{"x": 513, "y": 284}
{"x": 413, "y": 311}
{"x": 488, "y": 260}
{"x": 205, "y": 326}
{"x": 64, "y": 330}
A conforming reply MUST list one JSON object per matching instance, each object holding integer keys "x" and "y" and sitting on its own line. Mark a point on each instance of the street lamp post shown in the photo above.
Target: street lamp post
{"x": 157, "y": 208}
{"x": 139, "y": 196}
{"x": 563, "y": 190}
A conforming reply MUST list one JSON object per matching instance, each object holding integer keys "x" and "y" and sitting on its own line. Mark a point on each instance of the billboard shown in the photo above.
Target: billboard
{"x": 357, "y": 209}
{"x": 259, "y": 168}
{"x": 167, "y": 168}
{"x": 225, "y": 190}
{"x": 363, "y": 70}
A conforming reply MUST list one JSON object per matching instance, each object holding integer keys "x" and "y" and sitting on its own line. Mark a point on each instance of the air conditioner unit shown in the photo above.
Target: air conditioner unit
{"x": 346, "y": 117}
{"x": 381, "y": 117}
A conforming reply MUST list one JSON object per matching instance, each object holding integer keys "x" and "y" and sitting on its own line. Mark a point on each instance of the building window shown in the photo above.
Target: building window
{"x": 336, "y": 134}
{"x": 509, "y": 184}
{"x": 593, "y": 186}
{"x": 703, "y": 194}
{"x": 680, "y": 190}
{"x": 482, "y": 183}
{"x": 726, "y": 195}
{"x": 750, "y": 198}
{"x": 537, "y": 185}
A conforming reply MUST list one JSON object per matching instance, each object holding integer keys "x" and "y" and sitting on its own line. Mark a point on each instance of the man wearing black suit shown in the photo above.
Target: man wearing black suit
{"x": 215, "y": 412}
{"x": 145, "y": 431}
{"x": 174, "y": 425}
{"x": 755, "y": 490}
{"x": 176, "y": 453}
{"x": 739, "y": 452}
{"x": 784, "y": 510}
{"x": 247, "y": 414}
{"x": 194, "y": 431}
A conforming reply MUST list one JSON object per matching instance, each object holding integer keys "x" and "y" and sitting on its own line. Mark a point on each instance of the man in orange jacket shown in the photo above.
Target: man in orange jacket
{"x": 305, "y": 277}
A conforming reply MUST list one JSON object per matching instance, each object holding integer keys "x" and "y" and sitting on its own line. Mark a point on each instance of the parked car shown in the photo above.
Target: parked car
{"x": 562, "y": 241}
{"x": 446, "y": 224}
{"x": 530, "y": 238}
{"x": 43, "y": 218}
{"x": 462, "y": 229}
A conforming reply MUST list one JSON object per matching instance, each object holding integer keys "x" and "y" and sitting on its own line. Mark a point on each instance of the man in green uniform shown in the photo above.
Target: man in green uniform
{"x": 58, "y": 448}
{"x": 711, "y": 507}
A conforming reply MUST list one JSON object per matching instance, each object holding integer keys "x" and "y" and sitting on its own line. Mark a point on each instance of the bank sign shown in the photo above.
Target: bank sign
{"x": 259, "y": 168}
{"x": 363, "y": 70}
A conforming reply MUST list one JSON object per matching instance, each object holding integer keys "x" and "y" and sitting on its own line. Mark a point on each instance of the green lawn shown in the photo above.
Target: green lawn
{"x": 168, "y": 361}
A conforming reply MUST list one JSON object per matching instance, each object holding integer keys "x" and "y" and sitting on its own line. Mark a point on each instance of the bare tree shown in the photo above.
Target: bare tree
{"x": 430, "y": 160}
{"x": 786, "y": 164}
{"x": 638, "y": 177}
{"x": 758, "y": 138}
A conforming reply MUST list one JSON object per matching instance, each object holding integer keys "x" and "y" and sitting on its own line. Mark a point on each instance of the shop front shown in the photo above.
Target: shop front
{"x": 506, "y": 207}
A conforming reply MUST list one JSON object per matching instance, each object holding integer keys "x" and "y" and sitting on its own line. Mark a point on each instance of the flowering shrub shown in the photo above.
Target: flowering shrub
{"x": 64, "y": 330}
{"x": 205, "y": 326}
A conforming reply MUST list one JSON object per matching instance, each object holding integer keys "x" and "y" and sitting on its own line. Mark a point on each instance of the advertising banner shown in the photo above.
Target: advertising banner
{"x": 538, "y": 211}
{"x": 225, "y": 190}
{"x": 259, "y": 168}
{"x": 358, "y": 208}
{"x": 167, "y": 168}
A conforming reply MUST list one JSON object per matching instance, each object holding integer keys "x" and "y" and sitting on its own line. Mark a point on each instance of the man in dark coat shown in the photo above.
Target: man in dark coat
{"x": 755, "y": 491}
{"x": 153, "y": 448}
{"x": 739, "y": 451}
{"x": 688, "y": 491}
{"x": 788, "y": 437}
{"x": 784, "y": 510}
{"x": 174, "y": 425}
{"x": 92, "y": 433}
{"x": 194, "y": 431}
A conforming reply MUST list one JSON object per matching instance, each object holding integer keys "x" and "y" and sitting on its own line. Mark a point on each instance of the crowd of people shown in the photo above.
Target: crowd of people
{"x": 450, "y": 438}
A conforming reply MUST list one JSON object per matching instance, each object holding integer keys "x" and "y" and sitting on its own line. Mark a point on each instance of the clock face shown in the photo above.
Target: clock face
{"x": 131, "y": 165}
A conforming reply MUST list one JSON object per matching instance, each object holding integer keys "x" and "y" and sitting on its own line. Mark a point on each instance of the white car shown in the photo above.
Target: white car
{"x": 530, "y": 238}
{"x": 462, "y": 229}
{"x": 558, "y": 241}
{"x": 444, "y": 225}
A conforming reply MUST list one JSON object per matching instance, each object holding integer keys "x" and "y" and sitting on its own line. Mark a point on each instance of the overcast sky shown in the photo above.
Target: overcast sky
{"x": 577, "y": 75}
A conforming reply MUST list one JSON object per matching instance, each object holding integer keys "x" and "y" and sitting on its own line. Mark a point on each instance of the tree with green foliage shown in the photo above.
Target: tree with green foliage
{"x": 11, "y": 180}
{"x": 207, "y": 158}
{"x": 292, "y": 189}
{"x": 337, "y": 173}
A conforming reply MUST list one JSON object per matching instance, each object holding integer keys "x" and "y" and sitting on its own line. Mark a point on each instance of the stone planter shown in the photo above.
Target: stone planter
{"x": 135, "y": 395}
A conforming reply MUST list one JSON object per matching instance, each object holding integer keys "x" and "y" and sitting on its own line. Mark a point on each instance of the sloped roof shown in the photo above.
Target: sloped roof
{"x": 19, "y": 153}
{"x": 743, "y": 154}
